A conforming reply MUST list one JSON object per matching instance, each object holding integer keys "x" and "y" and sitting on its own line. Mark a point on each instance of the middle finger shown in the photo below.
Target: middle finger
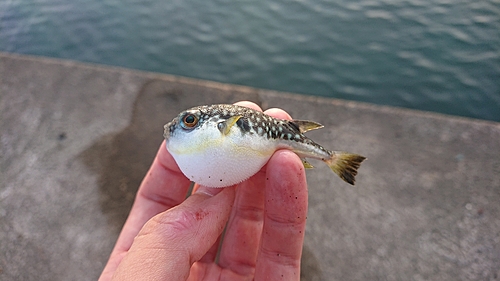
{"x": 241, "y": 242}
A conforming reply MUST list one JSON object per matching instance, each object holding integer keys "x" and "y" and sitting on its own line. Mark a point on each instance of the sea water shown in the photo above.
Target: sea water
{"x": 436, "y": 55}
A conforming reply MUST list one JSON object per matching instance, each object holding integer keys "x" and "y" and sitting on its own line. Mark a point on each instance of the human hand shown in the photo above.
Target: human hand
{"x": 167, "y": 237}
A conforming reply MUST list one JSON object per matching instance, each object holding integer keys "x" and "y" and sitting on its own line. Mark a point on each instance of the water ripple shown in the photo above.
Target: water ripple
{"x": 441, "y": 55}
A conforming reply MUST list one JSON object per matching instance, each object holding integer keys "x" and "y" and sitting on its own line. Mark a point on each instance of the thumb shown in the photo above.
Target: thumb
{"x": 170, "y": 242}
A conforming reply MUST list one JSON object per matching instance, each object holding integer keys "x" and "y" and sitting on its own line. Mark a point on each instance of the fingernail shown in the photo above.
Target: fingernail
{"x": 210, "y": 191}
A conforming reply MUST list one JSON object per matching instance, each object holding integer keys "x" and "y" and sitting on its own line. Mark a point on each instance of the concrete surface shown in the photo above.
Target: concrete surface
{"x": 76, "y": 140}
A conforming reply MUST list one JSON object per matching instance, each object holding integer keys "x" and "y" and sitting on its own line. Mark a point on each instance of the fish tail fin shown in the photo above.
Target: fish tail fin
{"x": 345, "y": 165}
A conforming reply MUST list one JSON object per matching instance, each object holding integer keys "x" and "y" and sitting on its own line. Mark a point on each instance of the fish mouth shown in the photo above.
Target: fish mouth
{"x": 168, "y": 129}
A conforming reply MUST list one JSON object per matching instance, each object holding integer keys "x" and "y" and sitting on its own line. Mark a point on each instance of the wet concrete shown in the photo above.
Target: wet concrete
{"x": 77, "y": 139}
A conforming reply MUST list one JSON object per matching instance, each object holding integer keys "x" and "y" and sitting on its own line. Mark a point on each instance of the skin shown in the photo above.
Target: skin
{"x": 168, "y": 237}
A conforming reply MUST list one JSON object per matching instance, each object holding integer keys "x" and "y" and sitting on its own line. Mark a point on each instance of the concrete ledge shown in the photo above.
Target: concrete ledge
{"x": 76, "y": 140}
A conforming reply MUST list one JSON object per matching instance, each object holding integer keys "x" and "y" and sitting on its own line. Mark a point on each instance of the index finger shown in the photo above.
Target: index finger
{"x": 163, "y": 187}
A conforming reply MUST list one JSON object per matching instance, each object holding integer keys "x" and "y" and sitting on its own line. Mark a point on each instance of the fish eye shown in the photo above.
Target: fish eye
{"x": 189, "y": 121}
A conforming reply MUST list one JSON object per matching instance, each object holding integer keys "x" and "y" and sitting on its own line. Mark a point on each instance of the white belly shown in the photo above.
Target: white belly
{"x": 221, "y": 161}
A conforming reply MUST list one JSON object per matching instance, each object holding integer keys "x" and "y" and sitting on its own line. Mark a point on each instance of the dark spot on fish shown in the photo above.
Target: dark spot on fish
{"x": 294, "y": 126}
{"x": 243, "y": 124}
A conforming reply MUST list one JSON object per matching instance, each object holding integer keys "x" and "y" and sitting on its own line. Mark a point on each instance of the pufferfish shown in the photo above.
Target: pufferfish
{"x": 222, "y": 145}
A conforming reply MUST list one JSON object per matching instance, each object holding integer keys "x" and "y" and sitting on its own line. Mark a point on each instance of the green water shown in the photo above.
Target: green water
{"x": 441, "y": 56}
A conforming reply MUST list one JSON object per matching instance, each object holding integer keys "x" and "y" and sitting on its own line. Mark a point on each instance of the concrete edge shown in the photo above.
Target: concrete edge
{"x": 400, "y": 111}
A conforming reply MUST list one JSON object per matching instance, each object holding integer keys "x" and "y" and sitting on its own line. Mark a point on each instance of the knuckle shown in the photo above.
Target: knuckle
{"x": 178, "y": 221}
{"x": 174, "y": 224}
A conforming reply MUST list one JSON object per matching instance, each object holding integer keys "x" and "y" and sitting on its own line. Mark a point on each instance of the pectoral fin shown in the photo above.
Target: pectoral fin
{"x": 225, "y": 126}
{"x": 305, "y": 125}
{"x": 306, "y": 164}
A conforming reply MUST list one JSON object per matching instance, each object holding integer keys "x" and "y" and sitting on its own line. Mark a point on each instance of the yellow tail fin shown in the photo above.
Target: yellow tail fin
{"x": 345, "y": 165}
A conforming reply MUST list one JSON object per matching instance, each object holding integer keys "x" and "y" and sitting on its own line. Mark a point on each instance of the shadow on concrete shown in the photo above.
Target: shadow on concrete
{"x": 309, "y": 266}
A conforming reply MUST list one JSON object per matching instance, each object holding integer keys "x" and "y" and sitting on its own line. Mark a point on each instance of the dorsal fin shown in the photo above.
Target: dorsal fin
{"x": 305, "y": 125}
